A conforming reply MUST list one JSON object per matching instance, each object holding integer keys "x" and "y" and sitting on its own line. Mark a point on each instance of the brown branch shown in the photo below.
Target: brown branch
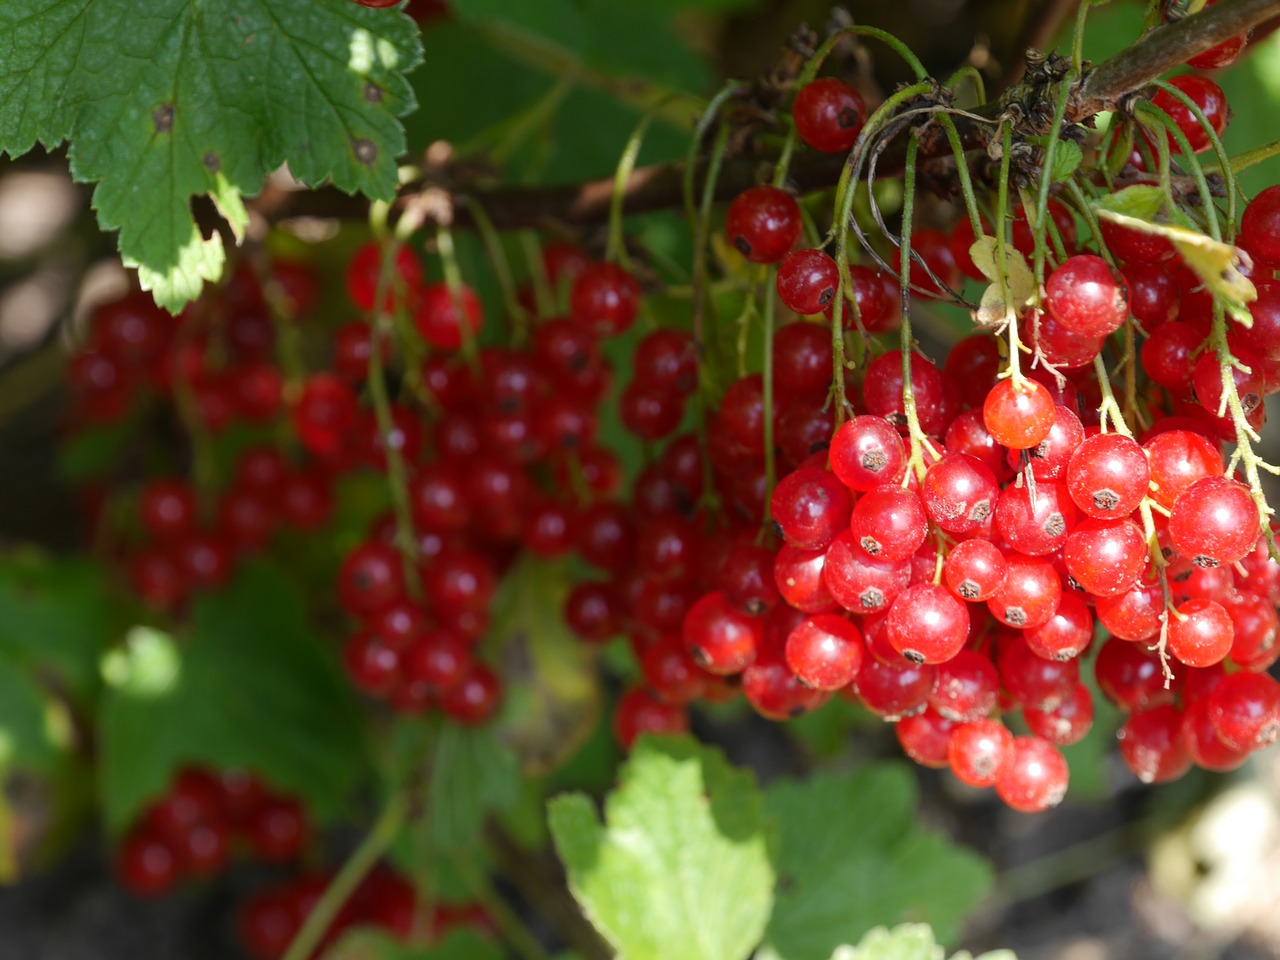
{"x": 1166, "y": 47}
{"x": 661, "y": 186}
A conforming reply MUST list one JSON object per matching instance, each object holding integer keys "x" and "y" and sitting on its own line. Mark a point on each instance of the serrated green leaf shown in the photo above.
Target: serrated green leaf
{"x": 679, "y": 869}
{"x": 1067, "y": 156}
{"x": 57, "y": 615}
{"x": 869, "y": 863}
{"x": 250, "y": 687}
{"x": 177, "y": 99}
{"x": 1140, "y": 202}
{"x": 376, "y": 945}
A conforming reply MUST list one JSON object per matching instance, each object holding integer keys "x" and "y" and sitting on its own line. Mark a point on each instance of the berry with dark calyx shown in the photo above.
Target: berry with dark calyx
{"x": 977, "y": 752}
{"x": 928, "y": 625}
{"x": 825, "y": 651}
{"x": 670, "y": 671}
{"x": 747, "y": 578}
{"x": 1034, "y": 778}
{"x": 1018, "y": 417}
{"x": 1153, "y": 294}
{"x": 829, "y": 114}
{"x": 1108, "y": 476}
{"x": 866, "y": 452}
{"x": 974, "y": 570}
{"x": 860, "y": 582}
{"x": 1206, "y": 381}
{"x": 889, "y": 522}
{"x": 1048, "y": 459}
{"x": 959, "y": 493}
{"x": 763, "y": 223}
{"x": 1030, "y": 593}
{"x": 1035, "y": 527}
{"x": 721, "y": 639}
{"x": 1105, "y": 557}
{"x": 371, "y": 577}
{"x": 882, "y": 392}
{"x": 807, "y": 281}
{"x": 1214, "y": 521}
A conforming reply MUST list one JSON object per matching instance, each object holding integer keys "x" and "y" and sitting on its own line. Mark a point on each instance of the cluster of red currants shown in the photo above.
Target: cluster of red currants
{"x": 192, "y": 831}
{"x": 270, "y": 920}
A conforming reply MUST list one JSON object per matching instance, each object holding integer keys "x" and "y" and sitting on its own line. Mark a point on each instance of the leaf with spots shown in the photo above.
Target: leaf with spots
{"x": 169, "y": 100}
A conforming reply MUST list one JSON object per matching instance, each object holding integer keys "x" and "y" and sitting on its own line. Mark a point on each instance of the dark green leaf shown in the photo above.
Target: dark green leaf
{"x": 851, "y": 854}
{"x": 57, "y": 615}
{"x": 251, "y": 687}
{"x": 473, "y": 776}
{"x": 679, "y": 869}
{"x": 174, "y": 99}
{"x": 1142, "y": 202}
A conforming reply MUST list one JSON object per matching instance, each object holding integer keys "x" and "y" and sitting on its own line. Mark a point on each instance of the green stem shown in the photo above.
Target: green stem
{"x": 543, "y": 296}
{"x": 906, "y": 341}
{"x": 502, "y": 268}
{"x": 345, "y": 882}
{"x": 888, "y": 39}
{"x": 453, "y": 280}
{"x": 616, "y": 247}
{"x": 1247, "y": 159}
{"x": 1184, "y": 145}
{"x": 1224, "y": 162}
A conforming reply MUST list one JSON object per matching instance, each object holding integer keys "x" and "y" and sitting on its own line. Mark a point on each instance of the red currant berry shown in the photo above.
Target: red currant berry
{"x": 807, "y": 281}
{"x": 829, "y": 115}
{"x": 763, "y": 223}
{"x": 977, "y": 752}
{"x": 1034, "y": 778}
{"x": 1151, "y": 744}
{"x": 1214, "y": 521}
{"x": 825, "y": 651}
{"x": 975, "y": 570}
{"x": 1018, "y": 418}
{"x": 928, "y": 625}
{"x": 604, "y": 299}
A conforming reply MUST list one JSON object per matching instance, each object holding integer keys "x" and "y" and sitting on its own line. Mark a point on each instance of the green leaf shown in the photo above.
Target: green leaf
{"x": 473, "y": 776}
{"x": 552, "y": 691}
{"x": 251, "y": 687}
{"x": 35, "y": 730}
{"x": 908, "y": 941}
{"x": 375, "y": 945}
{"x": 57, "y": 615}
{"x": 175, "y": 99}
{"x": 679, "y": 870}
{"x": 868, "y": 862}
{"x": 1067, "y": 156}
{"x": 1140, "y": 202}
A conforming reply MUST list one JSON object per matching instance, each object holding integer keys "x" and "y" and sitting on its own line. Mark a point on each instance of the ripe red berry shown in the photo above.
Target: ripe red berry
{"x": 763, "y": 223}
{"x": 924, "y": 737}
{"x": 604, "y": 299}
{"x": 371, "y": 577}
{"x": 1084, "y": 295}
{"x": 889, "y": 522}
{"x": 364, "y": 268}
{"x": 1018, "y": 418}
{"x": 825, "y": 651}
{"x": 928, "y": 625}
{"x": 1214, "y": 521}
{"x": 1108, "y": 476}
{"x": 1106, "y": 557}
{"x": 1244, "y": 709}
{"x": 860, "y": 582}
{"x": 1067, "y": 722}
{"x": 1200, "y": 633}
{"x": 829, "y": 115}
{"x": 1177, "y": 459}
{"x": 866, "y": 452}
{"x": 475, "y": 698}
{"x": 1260, "y": 226}
{"x": 811, "y": 507}
{"x": 968, "y": 687}
{"x": 721, "y": 639}
{"x": 977, "y": 752}
{"x": 1152, "y": 746}
{"x": 1035, "y": 776}
{"x": 1206, "y": 95}
{"x": 807, "y": 281}
{"x": 975, "y": 570}
{"x": 440, "y": 316}
{"x": 639, "y": 712}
